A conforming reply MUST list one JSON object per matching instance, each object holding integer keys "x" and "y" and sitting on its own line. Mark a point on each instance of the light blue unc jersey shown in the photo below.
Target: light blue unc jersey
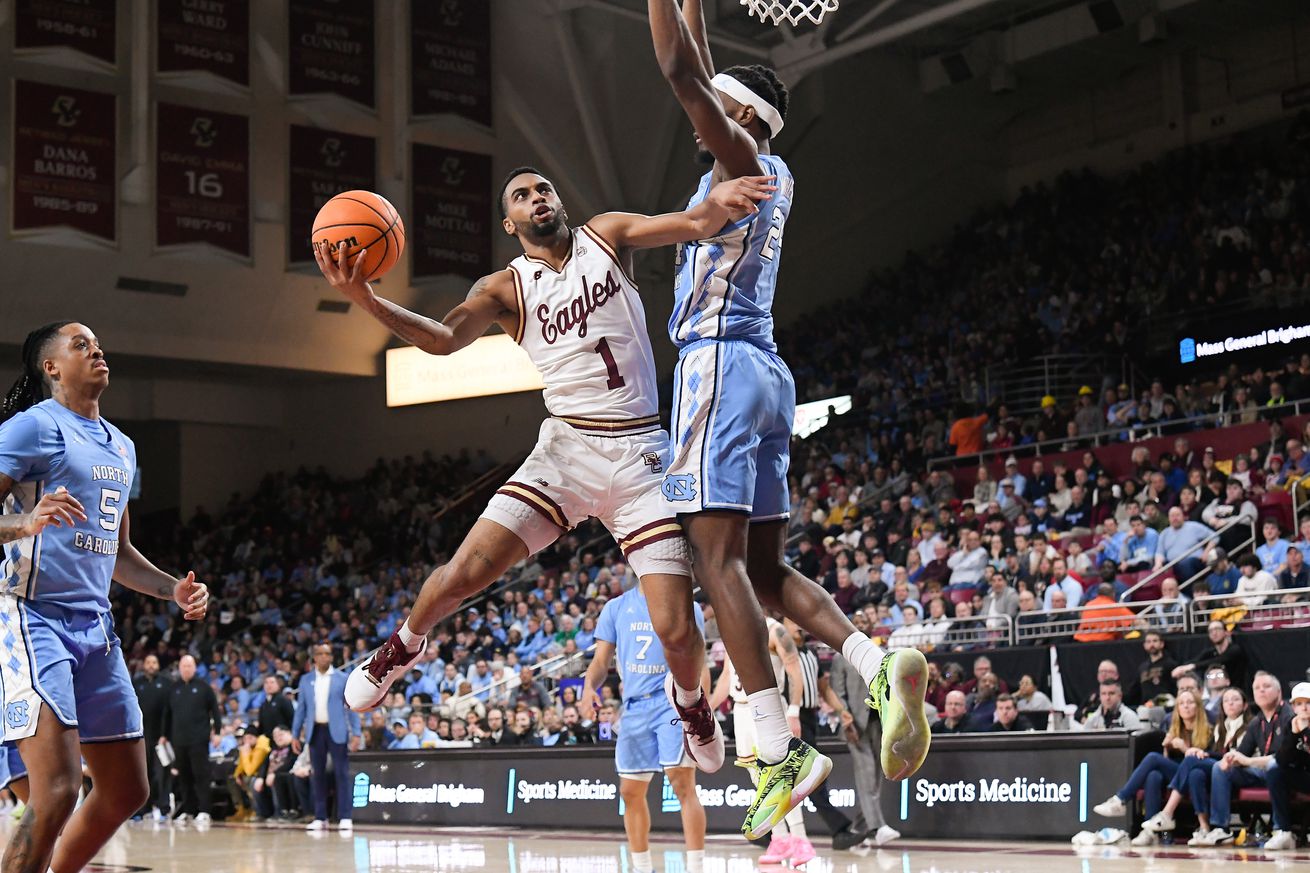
{"x": 625, "y": 622}
{"x": 725, "y": 284}
{"x": 41, "y": 449}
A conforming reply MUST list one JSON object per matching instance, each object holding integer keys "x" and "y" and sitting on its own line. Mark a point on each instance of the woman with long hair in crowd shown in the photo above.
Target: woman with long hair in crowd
{"x": 1189, "y": 734}
{"x": 1191, "y": 778}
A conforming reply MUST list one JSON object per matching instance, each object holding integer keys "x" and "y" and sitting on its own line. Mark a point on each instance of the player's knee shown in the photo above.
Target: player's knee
{"x": 632, "y": 790}
{"x": 461, "y": 576}
{"x": 684, "y": 786}
{"x": 56, "y": 796}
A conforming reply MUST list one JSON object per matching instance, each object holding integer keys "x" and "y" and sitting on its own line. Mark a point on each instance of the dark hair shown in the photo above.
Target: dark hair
{"x": 1113, "y": 683}
{"x": 28, "y": 390}
{"x": 764, "y": 82}
{"x": 1002, "y": 698}
{"x": 1249, "y": 560}
{"x": 517, "y": 171}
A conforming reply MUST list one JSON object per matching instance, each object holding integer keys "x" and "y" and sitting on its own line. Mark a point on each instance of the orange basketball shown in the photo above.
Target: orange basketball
{"x": 363, "y": 220}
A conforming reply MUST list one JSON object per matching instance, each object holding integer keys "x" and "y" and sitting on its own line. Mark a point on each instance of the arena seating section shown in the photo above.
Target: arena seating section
{"x": 1074, "y": 266}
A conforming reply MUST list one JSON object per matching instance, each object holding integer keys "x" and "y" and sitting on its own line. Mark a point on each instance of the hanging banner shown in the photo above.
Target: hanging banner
{"x": 331, "y": 49}
{"x": 86, "y": 26}
{"x": 64, "y": 172}
{"x": 211, "y": 36}
{"x": 202, "y": 178}
{"x": 323, "y": 164}
{"x": 450, "y": 53}
{"x": 451, "y": 210}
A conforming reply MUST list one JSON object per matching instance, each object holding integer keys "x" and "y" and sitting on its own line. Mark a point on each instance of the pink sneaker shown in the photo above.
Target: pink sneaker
{"x": 802, "y": 850}
{"x": 779, "y": 850}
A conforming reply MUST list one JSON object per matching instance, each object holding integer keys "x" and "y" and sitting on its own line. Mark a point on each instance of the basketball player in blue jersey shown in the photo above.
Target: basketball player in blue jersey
{"x": 65, "y": 476}
{"x": 734, "y": 402}
{"x": 650, "y": 739}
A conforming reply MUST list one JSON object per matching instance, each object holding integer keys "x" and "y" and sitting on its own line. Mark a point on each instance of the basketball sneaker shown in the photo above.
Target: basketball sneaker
{"x": 783, "y": 785}
{"x": 802, "y": 851}
{"x": 896, "y": 694}
{"x": 703, "y": 737}
{"x": 779, "y": 851}
{"x": 367, "y": 684}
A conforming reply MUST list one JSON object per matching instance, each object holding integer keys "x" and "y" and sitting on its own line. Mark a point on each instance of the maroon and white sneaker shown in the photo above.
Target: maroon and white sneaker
{"x": 703, "y": 738}
{"x": 367, "y": 684}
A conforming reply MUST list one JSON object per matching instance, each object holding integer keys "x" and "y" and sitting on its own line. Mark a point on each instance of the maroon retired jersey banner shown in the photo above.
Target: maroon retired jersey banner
{"x": 323, "y": 164}
{"x": 451, "y": 58}
{"x": 64, "y": 174}
{"x": 451, "y": 212}
{"x": 84, "y": 25}
{"x": 208, "y": 35}
{"x": 332, "y": 48}
{"x": 202, "y": 178}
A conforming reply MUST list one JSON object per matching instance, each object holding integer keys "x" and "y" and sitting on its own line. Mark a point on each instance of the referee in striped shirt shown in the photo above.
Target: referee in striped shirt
{"x": 811, "y": 698}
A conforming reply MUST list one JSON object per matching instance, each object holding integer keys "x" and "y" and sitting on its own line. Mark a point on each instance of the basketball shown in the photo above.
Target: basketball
{"x": 363, "y": 220}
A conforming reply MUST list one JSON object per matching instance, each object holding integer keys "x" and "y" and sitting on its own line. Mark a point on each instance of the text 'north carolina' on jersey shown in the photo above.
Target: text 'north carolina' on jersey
{"x": 625, "y": 622}
{"x": 726, "y": 283}
{"x": 585, "y": 330}
{"x": 41, "y": 449}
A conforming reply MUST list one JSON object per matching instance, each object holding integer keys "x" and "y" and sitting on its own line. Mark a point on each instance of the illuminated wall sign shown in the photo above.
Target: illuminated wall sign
{"x": 813, "y": 416}
{"x": 1191, "y": 349}
{"x": 491, "y": 365}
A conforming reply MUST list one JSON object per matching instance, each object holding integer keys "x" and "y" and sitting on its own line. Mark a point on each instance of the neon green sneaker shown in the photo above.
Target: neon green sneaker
{"x": 784, "y": 785}
{"x": 896, "y": 694}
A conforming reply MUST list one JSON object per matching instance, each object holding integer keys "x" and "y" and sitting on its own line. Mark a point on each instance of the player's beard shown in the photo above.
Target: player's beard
{"x": 705, "y": 157}
{"x": 547, "y": 229}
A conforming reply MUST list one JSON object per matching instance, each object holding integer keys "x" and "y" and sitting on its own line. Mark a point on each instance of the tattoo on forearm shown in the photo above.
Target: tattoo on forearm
{"x": 11, "y": 528}
{"x": 412, "y": 328}
{"x": 21, "y": 857}
{"x": 165, "y": 590}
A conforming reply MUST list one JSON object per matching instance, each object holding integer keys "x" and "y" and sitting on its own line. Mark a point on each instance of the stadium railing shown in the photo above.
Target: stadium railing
{"x": 1041, "y": 626}
{"x": 1154, "y": 577}
{"x": 1281, "y": 609}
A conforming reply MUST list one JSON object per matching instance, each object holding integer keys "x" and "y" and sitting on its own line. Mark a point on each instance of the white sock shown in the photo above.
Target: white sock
{"x": 772, "y": 735}
{"x": 641, "y": 861}
{"x": 695, "y": 861}
{"x": 684, "y": 697}
{"x": 411, "y": 640}
{"x": 863, "y": 655}
{"x": 796, "y": 823}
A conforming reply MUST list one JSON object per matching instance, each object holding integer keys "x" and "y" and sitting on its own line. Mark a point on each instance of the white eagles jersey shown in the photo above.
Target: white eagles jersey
{"x": 584, "y": 328}
{"x": 735, "y": 691}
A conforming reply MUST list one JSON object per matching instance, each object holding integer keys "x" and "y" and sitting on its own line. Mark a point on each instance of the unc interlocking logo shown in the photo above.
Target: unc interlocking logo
{"x": 679, "y": 486}
{"x": 16, "y": 714}
{"x": 654, "y": 461}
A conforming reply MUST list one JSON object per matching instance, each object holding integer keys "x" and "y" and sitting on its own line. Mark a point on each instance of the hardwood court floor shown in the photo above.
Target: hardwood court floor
{"x": 265, "y": 849}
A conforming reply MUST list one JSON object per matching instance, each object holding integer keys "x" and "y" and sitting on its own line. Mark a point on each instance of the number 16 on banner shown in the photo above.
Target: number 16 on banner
{"x": 202, "y": 178}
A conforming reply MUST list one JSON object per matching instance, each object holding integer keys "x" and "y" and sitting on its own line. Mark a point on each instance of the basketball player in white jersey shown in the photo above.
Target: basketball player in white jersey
{"x": 570, "y": 301}
{"x": 789, "y": 843}
{"x": 734, "y": 403}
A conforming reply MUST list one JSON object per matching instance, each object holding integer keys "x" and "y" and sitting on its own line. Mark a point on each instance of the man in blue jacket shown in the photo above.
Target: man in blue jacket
{"x": 327, "y": 725}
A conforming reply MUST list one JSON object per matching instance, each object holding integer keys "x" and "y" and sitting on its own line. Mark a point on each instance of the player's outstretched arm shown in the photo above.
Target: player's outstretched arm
{"x": 491, "y": 299}
{"x": 135, "y": 571}
{"x": 683, "y": 65}
{"x": 727, "y": 202}
{"x": 694, "y": 15}
{"x": 721, "y": 689}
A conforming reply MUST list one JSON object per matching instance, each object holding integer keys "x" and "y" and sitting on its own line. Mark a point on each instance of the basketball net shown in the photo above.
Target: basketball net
{"x": 794, "y": 11}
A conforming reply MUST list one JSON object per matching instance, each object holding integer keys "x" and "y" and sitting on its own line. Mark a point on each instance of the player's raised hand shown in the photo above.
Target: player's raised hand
{"x": 345, "y": 274}
{"x": 192, "y": 597}
{"x": 740, "y": 195}
{"x": 58, "y": 509}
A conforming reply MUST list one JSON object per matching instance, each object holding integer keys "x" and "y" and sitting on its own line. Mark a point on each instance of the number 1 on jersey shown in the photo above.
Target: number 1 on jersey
{"x": 615, "y": 379}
